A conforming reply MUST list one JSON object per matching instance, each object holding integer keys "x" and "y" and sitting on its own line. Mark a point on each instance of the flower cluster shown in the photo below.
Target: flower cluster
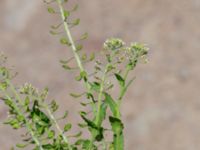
{"x": 113, "y": 44}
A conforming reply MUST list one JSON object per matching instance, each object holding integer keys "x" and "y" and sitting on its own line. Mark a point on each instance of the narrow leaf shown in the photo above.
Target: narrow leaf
{"x": 66, "y": 13}
{"x": 112, "y": 104}
{"x": 117, "y": 125}
{"x": 84, "y": 36}
{"x": 120, "y": 80}
{"x": 67, "y": 127}
{"x": 21, "y": 145}
{"x": 66, "y": 67}
{"x": 75, "y": 8}
{"x": 64, "y": 41}
{"x": 51, "y": 10}
{"x": 76, "y": 95}
{"x": 92, "y": 56}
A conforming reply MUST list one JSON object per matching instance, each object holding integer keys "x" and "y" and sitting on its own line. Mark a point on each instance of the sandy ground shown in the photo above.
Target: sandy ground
{"x": 162, "y": 109}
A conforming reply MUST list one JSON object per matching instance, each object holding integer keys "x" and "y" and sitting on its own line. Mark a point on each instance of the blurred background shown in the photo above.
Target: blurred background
{"x": 161, "y": 109}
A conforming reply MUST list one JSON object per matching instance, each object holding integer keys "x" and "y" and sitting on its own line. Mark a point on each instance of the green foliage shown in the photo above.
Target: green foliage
{"x": 30, "y": 109}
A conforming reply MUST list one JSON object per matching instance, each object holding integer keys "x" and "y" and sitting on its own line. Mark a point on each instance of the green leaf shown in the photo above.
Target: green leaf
{"x": 110, "y": 87}
{"x": 112, "y": 104}
{"x": 76, "y": 22}
{"x": 8, "y": 102}
{"x": 75, "y": 8}
{"x": 125, "y": 88}
{"x": 86, "y": 144}
{"x": 21, "y": 145}
{"x": 39, "y": 117}
{"x": 54, "y": 32}
{"x": 117, "y": 125}
{"x": 82, "y": 125}
{"x": 66, "y": 61}
{"x": 117, "y": 128}
{"x": 79, "y": 47}
{"x": 92, "y": 56}
{"x": 84, "y": 57}
{"x": 56, "y": 26}
{"x": 64, "y": 115}
{"x": 110, "y": 67}
{"x": 102, "y": 114}
{"x": 51, "y": 134}
{"x": 82, "y": 113}
{"x": 27, "y": 101}
{"x": 78, "y": 78}
{"x": 76, "y": 135}
{"x": 90, "y": 96}
{"x": 66, "y": 67}
{"x": 64, "y": 41}
{"x": 95, "y": 130}
{"x": 3, "y": 86}
{"x": 20, "y": 118}
{"x": 76, "y": 95}
{"x": 84, "y": 104}
{"x": 47, "y": 147}
{"x": 95, "y": 86}
{"x": 89, "y": 122}
{"x": 83, "y": 74}
{"x": 67, "y": 127}
{"x": 120, "y": 80}
{"x": 84, "y": 36}
{"x": 54, "y": 106}
{"x": 111, "y": 146}
{"x": 79, "y": 142}
{"x": 66, "y": 13}
{"x": 51, "y": 10}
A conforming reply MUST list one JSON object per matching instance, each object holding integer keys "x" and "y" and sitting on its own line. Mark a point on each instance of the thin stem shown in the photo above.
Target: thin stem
{"x": 99, "y": 102}
{"x": 66, "y": 27}
{"x": 121, "y": 93}
{"x": 28, "y": 126}
{"x": 74, "y": 49}
{"x": 55, "y": 121}
{"x": 57, "y": 126}
{"x": 77, "y": 57}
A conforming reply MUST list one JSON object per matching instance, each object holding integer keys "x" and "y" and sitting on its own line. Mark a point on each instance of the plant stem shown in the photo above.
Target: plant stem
{"x": 28, "y": 125}
{"x": 66, "y": 27}
{"x": 119, "y": 141}
{"x": 99, "y": 102}
{"x": 54, "y": 120}
{"x": 77, "y": 58}
{"x": 74, "y": 49}
{"x": 121, "y": 93}
{"x": 57, "y": 126}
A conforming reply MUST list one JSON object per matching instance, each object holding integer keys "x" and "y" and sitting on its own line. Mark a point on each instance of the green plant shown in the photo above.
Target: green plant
{"x": 29, "y": 109}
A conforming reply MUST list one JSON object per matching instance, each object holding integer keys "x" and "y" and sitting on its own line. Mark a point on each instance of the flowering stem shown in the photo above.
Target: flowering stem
{"x": 28, "y": 125}
{"x": 74, "y": 49}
